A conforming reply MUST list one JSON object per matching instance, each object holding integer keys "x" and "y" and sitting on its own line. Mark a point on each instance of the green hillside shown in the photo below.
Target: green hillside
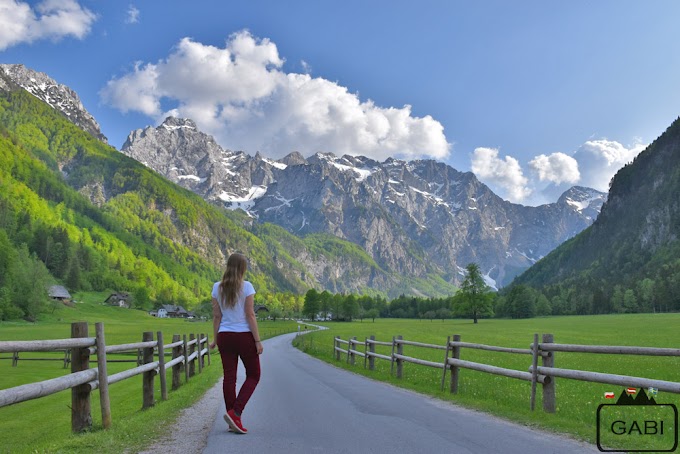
{"x": 76, "y": 211}
{"x": 629, "y": 259}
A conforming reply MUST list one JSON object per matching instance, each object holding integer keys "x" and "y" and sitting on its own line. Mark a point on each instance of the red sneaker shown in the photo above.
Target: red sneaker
{"x": 235, "y": 422}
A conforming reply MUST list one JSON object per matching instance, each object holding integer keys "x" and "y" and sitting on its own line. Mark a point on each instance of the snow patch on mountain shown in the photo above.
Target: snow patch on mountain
{"x": 176, "y": 127}
{"x": 278, "y": 165}
{"x": 285, "y": 203}
{"x": 581, "y": 205}
{"x": 192, "y": 177}
{"x": 246, "y": 203}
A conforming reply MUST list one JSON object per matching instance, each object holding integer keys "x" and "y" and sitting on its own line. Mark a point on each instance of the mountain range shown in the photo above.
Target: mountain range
{"x": 413, "y": 218}
{"x": 348, "y": 223}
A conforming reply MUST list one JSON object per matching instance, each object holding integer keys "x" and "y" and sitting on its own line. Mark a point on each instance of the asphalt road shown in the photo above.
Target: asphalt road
{"x": 304, "y": 405}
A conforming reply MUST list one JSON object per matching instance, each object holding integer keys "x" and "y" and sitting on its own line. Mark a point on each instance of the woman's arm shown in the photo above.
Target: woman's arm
{"x": 217, "y": 319}
{"x": 252, "y": 322}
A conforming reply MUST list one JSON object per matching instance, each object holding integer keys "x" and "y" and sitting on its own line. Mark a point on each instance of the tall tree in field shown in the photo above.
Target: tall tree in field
{"x": 312, "y": 304}
{"x": 475, "y": 295}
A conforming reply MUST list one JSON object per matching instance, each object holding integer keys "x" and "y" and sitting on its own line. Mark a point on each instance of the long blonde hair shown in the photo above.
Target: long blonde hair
{"x": 232, "y": 280}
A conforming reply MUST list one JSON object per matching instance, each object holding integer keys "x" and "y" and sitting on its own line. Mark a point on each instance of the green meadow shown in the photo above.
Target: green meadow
{"x": 577, "y": 401}
{"x": 44, "y": 425}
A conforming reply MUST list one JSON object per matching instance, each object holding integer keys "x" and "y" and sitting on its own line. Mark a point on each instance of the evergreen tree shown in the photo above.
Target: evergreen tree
{"x": 475, "y": 294}
{"x": 312, "y": 304}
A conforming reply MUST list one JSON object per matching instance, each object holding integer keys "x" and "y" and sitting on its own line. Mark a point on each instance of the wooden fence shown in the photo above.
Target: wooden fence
{"x": 82, "y": 380}
{"x": 544, "y": 374}
{"x": 15, "y": 358}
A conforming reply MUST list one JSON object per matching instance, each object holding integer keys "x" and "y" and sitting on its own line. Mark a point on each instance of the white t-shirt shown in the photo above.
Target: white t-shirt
{"x": 234, "y": 319}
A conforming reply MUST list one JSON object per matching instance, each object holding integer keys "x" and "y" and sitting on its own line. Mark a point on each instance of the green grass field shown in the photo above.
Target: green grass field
{"x": 44, "y": 424}
{"x": 577, "y": 401}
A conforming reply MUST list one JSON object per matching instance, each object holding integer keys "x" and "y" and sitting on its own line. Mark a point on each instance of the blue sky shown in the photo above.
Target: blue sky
{"x": 533, "y": 96}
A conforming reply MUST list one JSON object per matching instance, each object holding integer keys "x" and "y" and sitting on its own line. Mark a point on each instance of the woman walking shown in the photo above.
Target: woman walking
{"x": 236, "y": 336}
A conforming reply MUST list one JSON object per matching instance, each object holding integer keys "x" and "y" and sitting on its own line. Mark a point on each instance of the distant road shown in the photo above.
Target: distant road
{"x": 303, "y": 405}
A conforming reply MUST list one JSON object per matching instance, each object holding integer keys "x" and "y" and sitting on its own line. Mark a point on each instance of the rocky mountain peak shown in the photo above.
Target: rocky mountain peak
{"x": 293, "y": 159}
{"x": 172, "y": 123}
{"x": 57, "y": 96}
{"x": 587, "y": 201}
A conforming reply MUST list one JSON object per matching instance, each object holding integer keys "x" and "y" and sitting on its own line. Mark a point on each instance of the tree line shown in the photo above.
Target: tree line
{"x": 476, "y": 300}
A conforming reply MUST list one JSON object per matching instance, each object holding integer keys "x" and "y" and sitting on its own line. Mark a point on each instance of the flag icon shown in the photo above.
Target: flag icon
{"x": 653, "y": 391}
{"x": 631, "y": 390}
{"x": 609, "y": 395}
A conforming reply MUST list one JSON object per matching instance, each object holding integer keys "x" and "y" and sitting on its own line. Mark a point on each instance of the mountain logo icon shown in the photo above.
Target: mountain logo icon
{"x": 626, "y": 397}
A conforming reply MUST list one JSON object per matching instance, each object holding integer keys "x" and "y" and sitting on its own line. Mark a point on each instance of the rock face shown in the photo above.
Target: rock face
{"x": 417, "y": 218}
{"x": 57, "y": 96}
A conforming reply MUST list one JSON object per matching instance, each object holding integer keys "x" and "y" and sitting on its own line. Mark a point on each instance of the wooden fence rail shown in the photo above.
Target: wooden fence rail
{"x": 83, "y": 380}
{"x": 66, "y": 359}
{"x": 544, "y": 374}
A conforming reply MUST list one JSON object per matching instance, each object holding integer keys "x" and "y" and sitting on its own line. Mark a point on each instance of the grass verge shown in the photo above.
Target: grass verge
{"x": 44, "y": 424}
{"x": 577, "y": 401}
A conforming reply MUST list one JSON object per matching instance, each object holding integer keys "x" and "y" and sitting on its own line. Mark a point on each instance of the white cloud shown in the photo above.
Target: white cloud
{"x": 504, "y": 174}
{"x": 132, "y": 15}
{"x": 599, "y": 160}
{"x": 50, "y": 19}
{"x": 556, "y": 168}
{"x": 592, "y": 165}
{"x": 241, "y": 96}
{"x": 135, "y": 91}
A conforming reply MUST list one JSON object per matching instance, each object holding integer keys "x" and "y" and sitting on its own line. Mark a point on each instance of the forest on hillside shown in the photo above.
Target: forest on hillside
{"x": 75, "y": 211}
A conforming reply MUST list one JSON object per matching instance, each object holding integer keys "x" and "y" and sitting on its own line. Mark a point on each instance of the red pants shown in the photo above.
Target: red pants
{"x": 232, "y": 346}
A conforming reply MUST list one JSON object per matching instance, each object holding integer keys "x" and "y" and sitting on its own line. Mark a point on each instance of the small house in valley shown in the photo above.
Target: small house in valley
{"x": 172, "y": 311}
{"x": 59, "y": 293}
{"x": 160, "y": 313}
{"x": 120, "y": 299}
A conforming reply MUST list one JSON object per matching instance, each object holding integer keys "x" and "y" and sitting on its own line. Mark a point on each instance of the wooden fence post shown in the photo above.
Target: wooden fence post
{"x": 176, "y": 352}
{"x": 365, "y": 351}
{"x": 371, "y": 359}
{"x": 446, "y": 360}
{"x": 192, "y": 349}
{"x": 147, "y": 377}
{"x": 351, "y": 352}
{"x": 394, "y": 342}
{"x": 549, "y": 403}
{"x": 455, "y": 369}
{"x": 534, "y": 372}
{"x": 161, "y": 365}
{"x": 207, "y": 344}
{"x": 200, "y": 353}
{"x": 400, "y": 363}
{"x": 186, "y": 360}
{"x": 103, "y": 377}
{"x": 336, "y": 345}
{"x": 81, "y": 417}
